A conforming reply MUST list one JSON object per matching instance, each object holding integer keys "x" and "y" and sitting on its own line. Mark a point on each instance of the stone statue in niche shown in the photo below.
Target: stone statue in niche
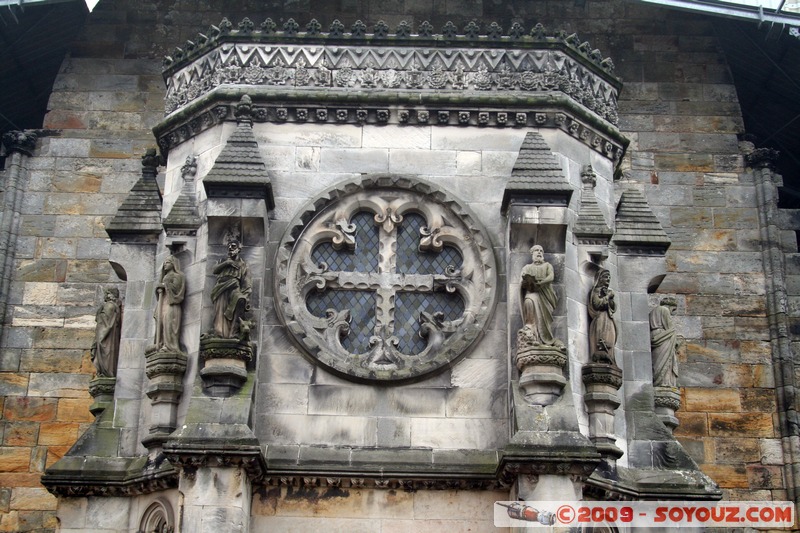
{"x": 231, "y": 293}
{"x": 105, "y": 348}
{"x": 170, "y": 293}
{"x": 538, "y": 299}
{"x": 602, "y": 329}
{"x": 664, "y": 343}
{"x": 541, "y": 358}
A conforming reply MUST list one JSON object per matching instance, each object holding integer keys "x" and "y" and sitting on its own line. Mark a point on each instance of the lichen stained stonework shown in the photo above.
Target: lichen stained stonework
{"x": 387, "y": 279}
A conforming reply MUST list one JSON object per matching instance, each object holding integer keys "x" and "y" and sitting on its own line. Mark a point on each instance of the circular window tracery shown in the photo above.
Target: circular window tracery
{"x": 388, "y": 279}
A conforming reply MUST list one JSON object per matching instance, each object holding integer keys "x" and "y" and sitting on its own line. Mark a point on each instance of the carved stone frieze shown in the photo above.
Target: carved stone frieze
{"x": 133, "y": 486}
{"x": 540, "y": 62}
{"x": 407, "y": 484}
{"x": 539, "y": 80}
{"x": 177, "y": 130}
{"x": 386, "y": 279}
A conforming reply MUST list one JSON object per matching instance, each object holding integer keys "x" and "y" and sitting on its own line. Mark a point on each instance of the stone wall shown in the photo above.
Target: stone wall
{"x": 678, "y": 107}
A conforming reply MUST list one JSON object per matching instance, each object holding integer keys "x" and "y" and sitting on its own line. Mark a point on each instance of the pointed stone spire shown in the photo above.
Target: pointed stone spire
{"x": 184, "y": 218}
{"x": 239, "y": 171}
{"x": 591, "y": 227}
{"x": 138, "y": 219}
{"x": 537, "y": 178}
{"x": 636, "y": 225}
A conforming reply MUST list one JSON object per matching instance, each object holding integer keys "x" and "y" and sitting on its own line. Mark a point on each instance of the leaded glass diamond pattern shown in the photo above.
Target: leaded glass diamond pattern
{"x": 361, "y": 305}
{"x": 411, "y": 261}
{"x": 365, "y": 256}
{"x": 409, "y": 305}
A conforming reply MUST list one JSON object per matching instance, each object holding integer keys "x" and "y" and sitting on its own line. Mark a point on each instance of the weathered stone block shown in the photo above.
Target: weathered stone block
{"x": 408, "y": 161}
{"x": 692, "y": 424}
{"x": 30, "y": 409}
{"x": 58, "y": 433}
{"x": 14, "y": 459}
{"x": 727, "y": 476}
{"x": 447, "y": 433}
{"x": 712, "y": 399}
{"x": 59, "y": 385}
{"x": 20, "y": 433}
{"x": 479, "y": 374}
{"x": 359, "y": 161}
{"x": 765, "y": 477}
{"x": 33, "y": 499}
{"x": 740, "y": 424}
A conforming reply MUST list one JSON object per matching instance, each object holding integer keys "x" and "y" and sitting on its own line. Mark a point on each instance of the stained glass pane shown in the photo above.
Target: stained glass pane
{"x": 410, "y": 260}
{"x": 365, "y": 256}
{"x": 408, "y": 306}
{"x": 362, "y": 314}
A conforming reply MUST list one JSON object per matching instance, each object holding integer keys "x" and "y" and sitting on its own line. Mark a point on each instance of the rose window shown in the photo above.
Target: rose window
{"x": 388, "y": 282}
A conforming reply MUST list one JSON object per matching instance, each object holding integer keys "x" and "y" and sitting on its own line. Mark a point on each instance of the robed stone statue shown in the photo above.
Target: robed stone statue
{"x": 170, "y": 292}
{"x": 231, "y": 293}
{"x": 538, "y": 298}
{"x": 105, "y": 348}
{"x": 602, "y": 329}
{"x": 664, "y": 344}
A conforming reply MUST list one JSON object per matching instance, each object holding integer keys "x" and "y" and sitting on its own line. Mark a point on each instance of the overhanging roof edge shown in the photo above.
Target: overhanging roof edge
{"x": 726, "y": 9}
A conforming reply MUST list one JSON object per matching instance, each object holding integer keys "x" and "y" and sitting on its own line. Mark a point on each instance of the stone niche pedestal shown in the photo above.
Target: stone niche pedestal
{"x": 541, "y": 370}
{"x": 602, "y": 381}
{"x": 667, "y": 401}
{"x": 225, "y": 364}
{"x": 165, "y": 370}
{"x": 102, "y": 390}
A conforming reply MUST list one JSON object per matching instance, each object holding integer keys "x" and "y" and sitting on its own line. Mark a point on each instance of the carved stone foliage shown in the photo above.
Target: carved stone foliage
{"x": 535, "y": 63}
{"x": 387, "y": 279}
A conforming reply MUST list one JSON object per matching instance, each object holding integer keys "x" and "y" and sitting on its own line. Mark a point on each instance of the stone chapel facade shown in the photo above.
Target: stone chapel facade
{"x": 376, "y": 269}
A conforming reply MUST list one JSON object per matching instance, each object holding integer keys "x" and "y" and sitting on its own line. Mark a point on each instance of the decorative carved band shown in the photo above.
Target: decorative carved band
{"x": 464, "y": 71}
{"x": 408, "y": 484}
{"x": 407, "y": 110}
{"x": 422, "y": 61}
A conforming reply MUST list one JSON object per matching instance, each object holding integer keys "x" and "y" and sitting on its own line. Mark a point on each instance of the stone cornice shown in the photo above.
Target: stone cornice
{"x": 99, "y": 476}
{"x": 450, "y": 37}
{"x": 278, "y": 105}
{"x": 536, "y": 79}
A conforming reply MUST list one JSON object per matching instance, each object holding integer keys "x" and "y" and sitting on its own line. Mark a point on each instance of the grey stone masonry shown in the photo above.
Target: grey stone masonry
{"x": 636, "y": 225}
{"x": 184, "y": 217}
{"x": 139, "y": 216}
{"x": 591, "y": 223}
{"x": 536, "y": 173}
{"x": 240, "y": 170}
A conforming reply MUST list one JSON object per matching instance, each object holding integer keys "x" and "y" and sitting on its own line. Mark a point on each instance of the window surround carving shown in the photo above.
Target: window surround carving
{"x": 157, "y": 518}
{"x": 327, "y": 219}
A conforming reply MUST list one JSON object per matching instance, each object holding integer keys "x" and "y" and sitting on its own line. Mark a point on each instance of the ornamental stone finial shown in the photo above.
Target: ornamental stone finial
{"x": 189, "y": 169}
{"x": 151, "y": 160}
{"x": 244, "y": 110}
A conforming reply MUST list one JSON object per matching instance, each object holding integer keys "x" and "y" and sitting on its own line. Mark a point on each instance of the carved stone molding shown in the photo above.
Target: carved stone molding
{"x": 762, "y": 158}
{"x": 81, "y": 486}
{"x": 541, "y": 61}
{"x": 102, "y": 391}
{"x": 602, "y": 381}
{"x": 19, "y": 141}
{"x": 407, "y": 484}
{"x": 544, "y": 79}
{"x": 419, "y": 317}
